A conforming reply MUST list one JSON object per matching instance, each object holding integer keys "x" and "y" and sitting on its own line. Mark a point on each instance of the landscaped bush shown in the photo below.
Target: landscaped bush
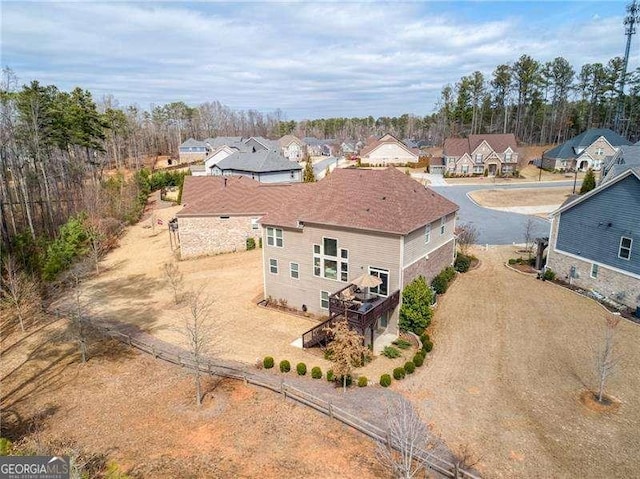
{"x": 330, "y": 376}
{"x": 268, "y": 362}
{"x": 362, "y": 381}
{"x": 462, "y": 263}
{"x": 260, "y": 242}
{"x": 439, "y": 284}
{"x": 301, "y": 369}
{"x": 316, "y": 372}
{"x": 390, "y": 352}
{"x": 409, "y": 367}
{"x": 449, "y": 273}
{"x": 385, "y": 380}
{"x": 399, "y": 373}
{"x": 427, "y": 346}
{"x": 251, "y": 244}
{"x": 512, "y": 261}
{"x": 327, "y": 354}
{"x": 402, "y": 343}
{"x": 285, "y": 366}
{"x": 548, "y": 275}
{"x": 415, "y": 312}
{"x": 424, "y": 337}
{"x": 418, "y": 360}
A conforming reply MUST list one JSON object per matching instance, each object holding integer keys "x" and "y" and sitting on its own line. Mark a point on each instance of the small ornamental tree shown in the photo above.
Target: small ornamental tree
{"x": 308, "y": 176}
{"x": 348, "y": 350}
{"x": 415, "y": 313}
{"x": 588, "y": 183}
{"x": 466, "y": 235}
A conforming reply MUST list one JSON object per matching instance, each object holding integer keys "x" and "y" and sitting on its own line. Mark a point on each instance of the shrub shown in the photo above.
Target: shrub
{"x": 251, "y": 244}
{"x": 268, "y": 362}
{"x": 588, "y": 183}
{"x": 462, "y": 263}
{"x": 418, "y": 360}
{"x": 449, "y": 273}
{"x": 390, "y": 352}
{"x": 301, "y": 369}
{"x": 424, "y": 338}
{"x": 5, "y": 446}
{"x": 512, "y": 261}
{"x": 348, "y": 382}
{"x": 71, "y": 242}
{"x": 316, "y": 372}
{"x": 409, "y": 367}
{"x": 427, "y": 346}
{"x": 415, "y": 312}
{"x": 362, "y": 381}
{"x": 285, "y": 366}
{"x": 260, "y": 242}
{"x": 399, "y": 373}
{"x": 385, "y": 380}
{"x": 330, "y": 376}
{"x": 327, "y": 354}
{"x": 402, "y": 343}
{"x": 439, "y": 284}
{"x": 548, "y": 275}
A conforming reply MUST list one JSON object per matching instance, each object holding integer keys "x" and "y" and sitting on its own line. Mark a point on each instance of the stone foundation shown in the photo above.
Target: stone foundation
{"x": 429, "y": 268}
{"x": 201, "y": 236}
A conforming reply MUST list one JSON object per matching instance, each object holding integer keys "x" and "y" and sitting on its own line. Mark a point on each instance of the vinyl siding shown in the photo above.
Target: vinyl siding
{"x": 415, "y": 247}
{"x": 365, "y": 249}
{"x": 585, "y": 232}
{"x": 390, "y": 153}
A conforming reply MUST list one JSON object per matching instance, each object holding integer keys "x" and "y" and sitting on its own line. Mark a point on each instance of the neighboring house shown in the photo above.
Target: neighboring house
{"x": 265, "y": 166}
{"x": 587, "y": 150}
{"x": 348, "y": 148}
{"x": 256, "y": 143}
{"x": 595, "y": 240}
{"x": 410, "y": 143}
{"x": 436, "y": 165}
{"x": 292, "y": 148}
{"x": 388, "y": 150}
{"x": 626, "y": 157}
{"x": 192, "y": 150}
{"x": 495, "y": 154}
{"x": 354, "y": 222}
{"x": 318, "y": 237}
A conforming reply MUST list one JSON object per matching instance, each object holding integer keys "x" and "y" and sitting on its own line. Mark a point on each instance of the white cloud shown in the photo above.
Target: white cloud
{"x": 311, "y": 60}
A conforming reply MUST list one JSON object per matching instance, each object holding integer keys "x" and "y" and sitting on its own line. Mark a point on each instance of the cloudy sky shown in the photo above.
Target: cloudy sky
{"x": 310, "y": 59}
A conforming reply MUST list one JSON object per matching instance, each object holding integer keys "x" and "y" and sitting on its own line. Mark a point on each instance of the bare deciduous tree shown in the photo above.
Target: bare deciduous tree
{"x": 19, "y": 291}
{"x": 347, "y": 350}
{"x": 607, "y": 360}
{"x": 465, "y": 458}
{"x": 199, "y": 330}
{"x": 175, "y": 279}
{"x": 79, "y": 326}
{"x": 528, "y": 235}
{"x": 407, "y": 438}
{"x": 466, "y": 235}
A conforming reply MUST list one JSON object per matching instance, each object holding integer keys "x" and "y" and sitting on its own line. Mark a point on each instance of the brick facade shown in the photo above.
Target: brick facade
{"x": 208, "y": 235}
{"x": 438, "y": 260}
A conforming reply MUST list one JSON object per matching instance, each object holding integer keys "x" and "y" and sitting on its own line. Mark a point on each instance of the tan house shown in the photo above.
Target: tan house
{"x": 481, "y": 154}
{"x": 293, "y": 148}
{"x": 355, "y": 222}
{"x": 388, "y": 150}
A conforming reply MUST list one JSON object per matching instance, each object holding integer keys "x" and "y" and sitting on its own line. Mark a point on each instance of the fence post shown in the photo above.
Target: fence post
{"x": 129, "y": 339}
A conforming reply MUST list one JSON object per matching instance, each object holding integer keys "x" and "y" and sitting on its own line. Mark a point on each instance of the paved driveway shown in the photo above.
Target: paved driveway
{"x": 320, "y": 167}
{"x": 496, "y": 227}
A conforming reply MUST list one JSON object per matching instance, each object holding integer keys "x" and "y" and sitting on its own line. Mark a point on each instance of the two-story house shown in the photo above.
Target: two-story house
{"x": 481, "y": 154}
{"x": 388, "y": 150}
{"x": 595, "y": 239}
{"x": 625, "y": 158}
{"x": 590, "y": 149}
{"x": 355, "y": 222}
{"x": 292, "y": 147}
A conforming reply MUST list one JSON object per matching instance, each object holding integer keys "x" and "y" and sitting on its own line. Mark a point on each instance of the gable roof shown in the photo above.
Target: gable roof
{"x": 570, "y": 204}
{"x": 567, "y": 150}
{"x": 376, "y": 200}
{"x": 498, "y": 142}
{"x": 268, "y": 144}
{"x": 286, "y": 140}
{"x": 262, "y": 161}
{"x": 191, "y": 143}
{"x": 387, "y": 139}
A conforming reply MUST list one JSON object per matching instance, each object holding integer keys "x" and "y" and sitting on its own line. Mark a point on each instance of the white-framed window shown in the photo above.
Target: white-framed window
{"x": 294, "y": 270}
{"x": 594, "y": 270}
{"x": 599, "y": 151}
{"x": 274, "y": 237}
{"x": 383, "y": 288}
{"x": 507, "y": 156}
{"x": 465, "y": 169}
{"x": 324, "y": 300}
{"x": 329, "y": 261}
{"x": 451, "y": 161}
{"x": 254, "y": 223}
{"x": 443, "y": 225}
{"x": 478, "y": 169}
{"x": 624, "y": 251}
{"x": 273, "y": 266}
{"x": 427, "y": 234}
{"x": 479, "y": 157}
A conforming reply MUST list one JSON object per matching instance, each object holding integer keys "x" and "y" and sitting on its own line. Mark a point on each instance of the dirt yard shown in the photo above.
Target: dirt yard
{"x": 521, "y": 197}
{"x": 512, "y": 357}
{"x": 141, "y": 414}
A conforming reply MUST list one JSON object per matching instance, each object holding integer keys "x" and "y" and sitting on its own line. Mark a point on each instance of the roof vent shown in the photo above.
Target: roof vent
{"x": 384, "y": 197}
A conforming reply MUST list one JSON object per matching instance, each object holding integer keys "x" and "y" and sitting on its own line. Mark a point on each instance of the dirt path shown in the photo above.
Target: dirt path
{"x": 511, "y": 357}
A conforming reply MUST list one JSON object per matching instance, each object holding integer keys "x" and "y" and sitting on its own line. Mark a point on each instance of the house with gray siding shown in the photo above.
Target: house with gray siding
{"x": 192, "y": 150}
{"x": 595, "y": 240}
{"x": 625, "y": 158}
{"x": 264, "y": 166}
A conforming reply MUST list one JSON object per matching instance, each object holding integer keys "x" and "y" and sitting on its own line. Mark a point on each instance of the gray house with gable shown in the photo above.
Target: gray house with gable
{"x": 264, "y": 166}
{"x": 595, "y": 239}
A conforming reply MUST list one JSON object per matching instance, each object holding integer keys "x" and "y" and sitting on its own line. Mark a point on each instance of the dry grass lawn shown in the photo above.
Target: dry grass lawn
{"x": 521, "y": 197}
{"x": 529, "y": 174}
{"x": 141, "y": 414}
{"x": 512, "y": 358}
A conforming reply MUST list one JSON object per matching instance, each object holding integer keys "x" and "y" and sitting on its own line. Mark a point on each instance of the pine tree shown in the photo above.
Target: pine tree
{"x": 308, "y": 174}
{"x": 588, "y": 183}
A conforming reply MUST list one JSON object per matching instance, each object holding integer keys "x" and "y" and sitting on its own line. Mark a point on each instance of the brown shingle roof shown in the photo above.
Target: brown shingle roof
{"x": 375, "y": 200}
{"x": 498, "y": 142}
